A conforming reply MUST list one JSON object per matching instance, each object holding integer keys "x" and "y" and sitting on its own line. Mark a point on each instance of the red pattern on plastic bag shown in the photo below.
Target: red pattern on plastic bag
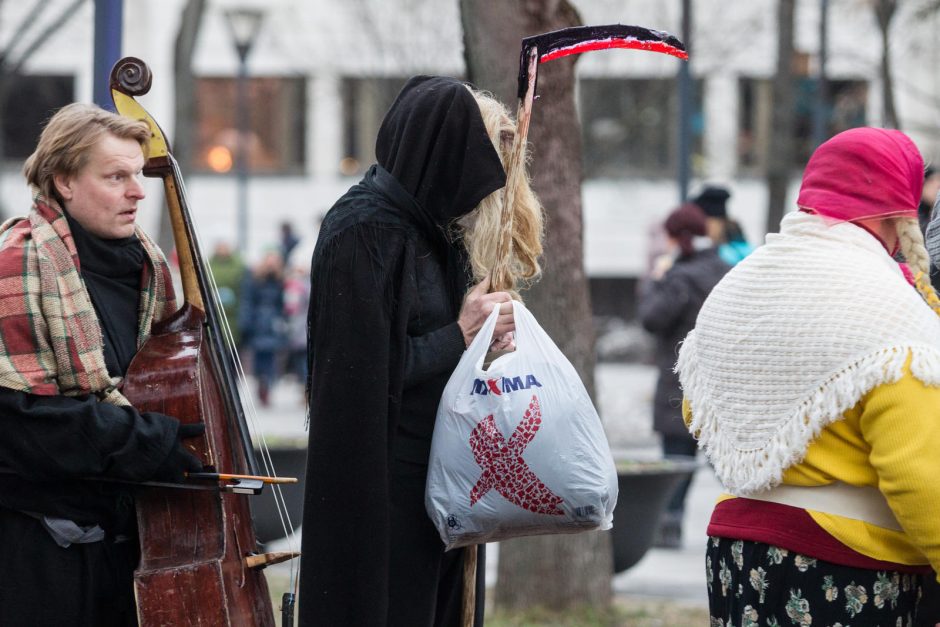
{"x": 503, "y": 466}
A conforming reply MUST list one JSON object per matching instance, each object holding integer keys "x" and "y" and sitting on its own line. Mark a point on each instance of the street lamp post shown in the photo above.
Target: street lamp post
{"x": 820, "y": 112}
{"x": 685, "y": 107}
{"x": 244, "y": 24}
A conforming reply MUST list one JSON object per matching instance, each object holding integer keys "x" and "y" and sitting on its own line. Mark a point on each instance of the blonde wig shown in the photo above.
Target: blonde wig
{"x": 482, "y": 229}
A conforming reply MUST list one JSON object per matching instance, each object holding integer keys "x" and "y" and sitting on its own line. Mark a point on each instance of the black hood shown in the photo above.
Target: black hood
{"x": 434, "y": 143}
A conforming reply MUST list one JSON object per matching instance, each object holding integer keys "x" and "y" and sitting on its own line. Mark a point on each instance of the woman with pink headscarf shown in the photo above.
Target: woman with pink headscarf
{"x": 812, "y": 381}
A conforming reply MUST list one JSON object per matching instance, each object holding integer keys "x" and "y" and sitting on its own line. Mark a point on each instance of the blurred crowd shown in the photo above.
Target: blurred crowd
{"x": 265, "y": 305}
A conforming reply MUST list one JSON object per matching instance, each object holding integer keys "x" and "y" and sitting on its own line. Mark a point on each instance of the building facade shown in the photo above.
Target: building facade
{"x": 323, "y": 72}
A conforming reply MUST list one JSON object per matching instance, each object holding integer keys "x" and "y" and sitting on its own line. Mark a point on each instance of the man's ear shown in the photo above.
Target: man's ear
{"x": 63, "y": 185}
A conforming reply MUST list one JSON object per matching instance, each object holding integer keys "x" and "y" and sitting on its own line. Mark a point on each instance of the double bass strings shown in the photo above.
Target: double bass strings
{"x": 256, "y": 431}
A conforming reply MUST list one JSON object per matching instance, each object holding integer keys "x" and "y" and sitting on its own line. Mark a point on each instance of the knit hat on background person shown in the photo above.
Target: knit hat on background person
{"x": 684, "y": 224}
{"x": 712, "y": 199}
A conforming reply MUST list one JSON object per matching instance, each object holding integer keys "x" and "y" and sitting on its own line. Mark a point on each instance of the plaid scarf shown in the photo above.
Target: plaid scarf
{"x": 50, "y": 337}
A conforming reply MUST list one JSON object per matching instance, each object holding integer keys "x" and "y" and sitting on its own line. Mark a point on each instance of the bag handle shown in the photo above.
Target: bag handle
{"x": 478, "y": 348}
{"x": 526, "y": 328}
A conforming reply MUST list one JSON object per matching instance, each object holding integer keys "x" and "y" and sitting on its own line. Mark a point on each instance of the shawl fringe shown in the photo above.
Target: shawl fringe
{"x": 747, "y": 471}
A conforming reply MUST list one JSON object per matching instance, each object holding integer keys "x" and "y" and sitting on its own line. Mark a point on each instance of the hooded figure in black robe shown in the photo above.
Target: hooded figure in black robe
{"x": 387, "y": 283}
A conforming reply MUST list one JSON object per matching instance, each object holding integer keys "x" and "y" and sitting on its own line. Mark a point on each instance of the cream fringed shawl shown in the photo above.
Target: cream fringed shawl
{"x": 792, "y": 337}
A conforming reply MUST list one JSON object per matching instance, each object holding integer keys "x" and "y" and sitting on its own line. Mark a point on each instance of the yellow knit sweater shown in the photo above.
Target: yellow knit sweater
{"x": 890, "y": 440}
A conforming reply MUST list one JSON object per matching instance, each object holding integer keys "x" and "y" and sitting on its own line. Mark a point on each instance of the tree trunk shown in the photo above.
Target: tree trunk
{"x": 563, "y": 570}
{"x": 780, "y": 148}
{"x": 184, "y": 110}
{"x": 884, "y": 12}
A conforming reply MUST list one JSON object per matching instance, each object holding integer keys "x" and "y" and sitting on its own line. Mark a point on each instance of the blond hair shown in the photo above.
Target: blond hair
{"x": 67, "y": 140}
{"x": 911, "y": 245}
{"x": 482, "y": 228}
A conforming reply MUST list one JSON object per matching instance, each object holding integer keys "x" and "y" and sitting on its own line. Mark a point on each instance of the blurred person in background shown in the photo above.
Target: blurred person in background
{"x": 657, "y": 247}
{"x": 929, "y": 196}
{"x": 288, "y": 241}
{"x": 812, "y": 381}
{"x": 228, "y": 270}
{"x": 296, "y": 302}
{"x": 725, "y": 232}
{"x": 261, "y": 320}
{"x": 669, "y": 301}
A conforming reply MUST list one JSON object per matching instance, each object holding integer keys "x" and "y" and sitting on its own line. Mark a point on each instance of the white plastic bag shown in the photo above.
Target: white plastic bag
{"x": 518, "y": 449}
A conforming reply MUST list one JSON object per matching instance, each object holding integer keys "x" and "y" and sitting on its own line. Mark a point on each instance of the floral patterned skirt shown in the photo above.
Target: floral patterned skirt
{"x": 752, "y": 583}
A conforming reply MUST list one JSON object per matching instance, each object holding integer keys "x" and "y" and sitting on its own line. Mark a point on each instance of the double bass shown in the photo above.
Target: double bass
{"x": 200, "y": 563}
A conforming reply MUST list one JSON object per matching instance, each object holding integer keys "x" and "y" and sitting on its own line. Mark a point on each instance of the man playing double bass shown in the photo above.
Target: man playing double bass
{"x": 80, "y": 287}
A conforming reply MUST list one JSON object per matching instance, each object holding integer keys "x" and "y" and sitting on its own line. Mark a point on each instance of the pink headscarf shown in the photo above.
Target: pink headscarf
{"x": 863, "y": 173}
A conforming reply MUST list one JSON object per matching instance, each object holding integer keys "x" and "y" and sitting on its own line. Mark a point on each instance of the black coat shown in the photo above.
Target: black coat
{"x": 49, "y": 443}
{"x": 668, "y": 309}
{"x": 386, "y": 287}
{"x": 924, "y": 213}
{"x": 56, "y": 440}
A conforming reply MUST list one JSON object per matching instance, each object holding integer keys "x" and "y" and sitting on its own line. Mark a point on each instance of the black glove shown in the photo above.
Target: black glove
{"x": 180, "y": 460}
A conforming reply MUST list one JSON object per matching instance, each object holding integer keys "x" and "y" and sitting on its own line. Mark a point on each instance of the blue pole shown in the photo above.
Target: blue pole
{"x": 109, "y": 27}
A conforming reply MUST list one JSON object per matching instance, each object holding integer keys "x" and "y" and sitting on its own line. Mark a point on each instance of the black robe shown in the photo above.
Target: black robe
{"x": 387, "y": 282}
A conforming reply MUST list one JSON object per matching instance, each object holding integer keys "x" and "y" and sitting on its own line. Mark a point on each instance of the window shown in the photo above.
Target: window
{"x": 29, "y": 102}
{"x": 365, "y": 103}
{"x": 629, "y": 126}
{"x": 276, "y": 125}
{"x": 844, "y": 109}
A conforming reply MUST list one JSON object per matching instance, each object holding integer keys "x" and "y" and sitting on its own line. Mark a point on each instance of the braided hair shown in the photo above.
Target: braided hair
{"x": 911, "y": 241}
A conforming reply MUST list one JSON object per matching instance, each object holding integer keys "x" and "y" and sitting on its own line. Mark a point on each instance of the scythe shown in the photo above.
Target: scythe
{"x": 540, "y": 49}
{"x": 536, "y": 50}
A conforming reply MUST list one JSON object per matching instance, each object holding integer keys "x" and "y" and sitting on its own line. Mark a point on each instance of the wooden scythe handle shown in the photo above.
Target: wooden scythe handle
{"x": 469, "y": 596}
{"x": 501, "y": 279}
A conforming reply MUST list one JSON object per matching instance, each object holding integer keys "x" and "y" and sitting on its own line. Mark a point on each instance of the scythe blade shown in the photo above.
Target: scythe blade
{"x": 568, "y": 41}
{"x": 541, "y": 49}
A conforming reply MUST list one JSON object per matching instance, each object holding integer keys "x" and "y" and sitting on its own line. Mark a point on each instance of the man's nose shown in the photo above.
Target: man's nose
{"x": 136, "y": 188}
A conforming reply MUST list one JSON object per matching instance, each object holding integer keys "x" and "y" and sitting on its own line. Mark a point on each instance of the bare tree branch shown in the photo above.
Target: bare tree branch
{"x": 20, "y": 31}
{"x": 45, "y": 35}
{"x": 928, "y": 9}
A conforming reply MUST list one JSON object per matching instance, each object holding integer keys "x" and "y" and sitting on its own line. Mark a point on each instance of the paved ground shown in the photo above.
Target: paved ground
{"x": 677, "y": 574}
{"x": 624, "y": 402}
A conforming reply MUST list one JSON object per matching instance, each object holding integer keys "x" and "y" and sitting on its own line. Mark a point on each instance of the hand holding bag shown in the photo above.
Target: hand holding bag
{"x": 518, "y": 449}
